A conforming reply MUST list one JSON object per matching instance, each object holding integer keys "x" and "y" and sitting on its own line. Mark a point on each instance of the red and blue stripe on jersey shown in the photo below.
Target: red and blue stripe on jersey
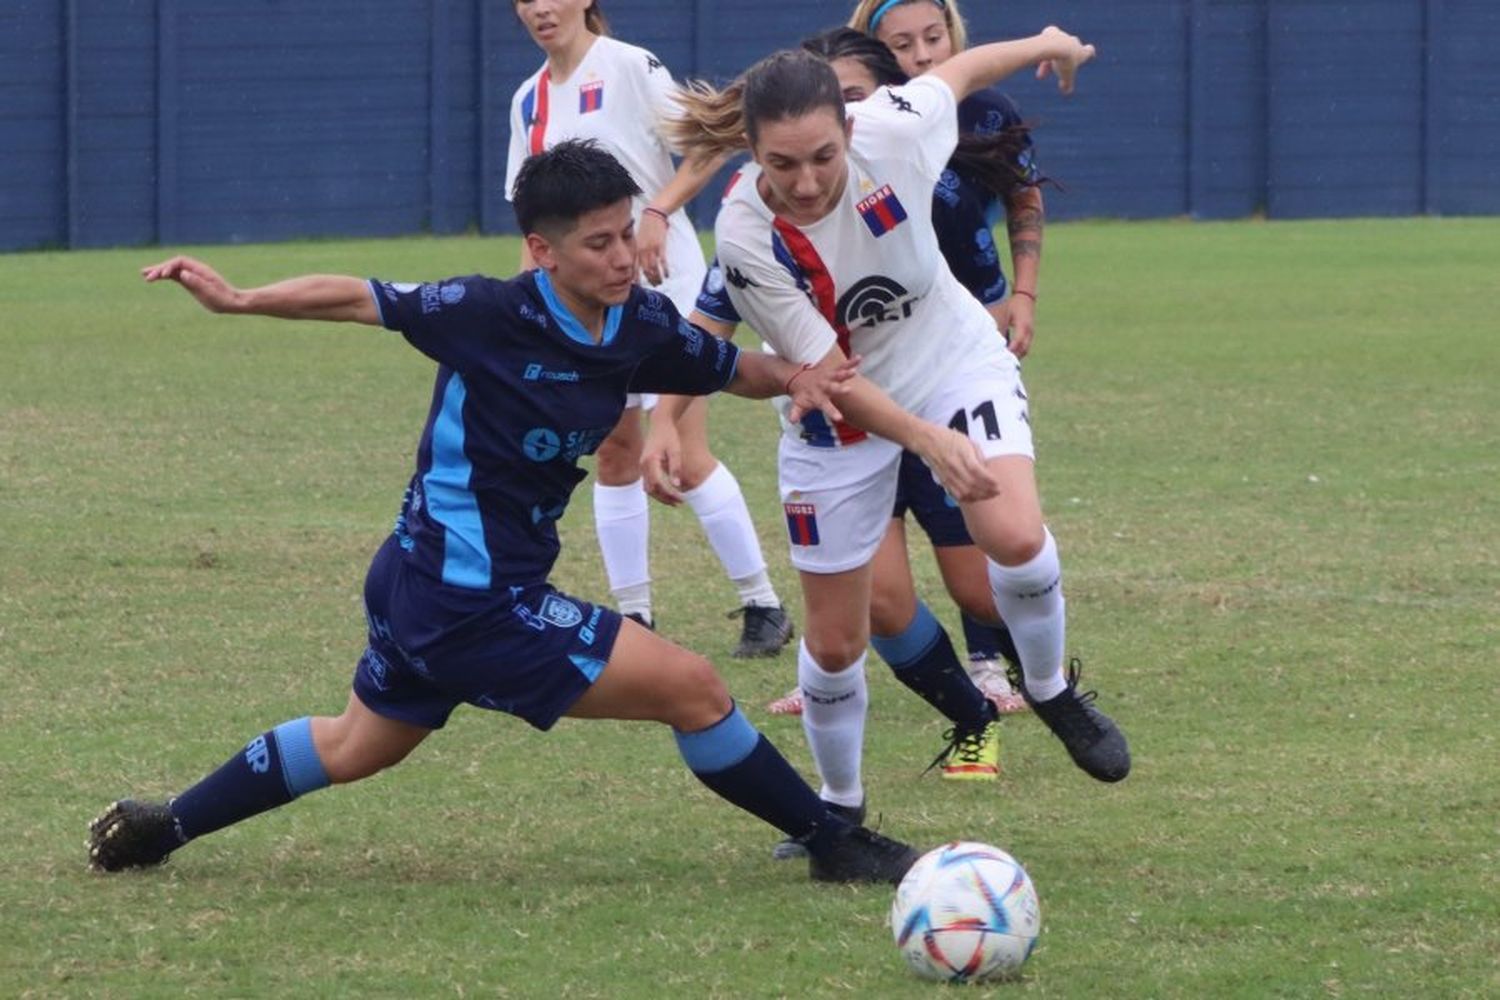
{"x": 797, "y": 254}
{"x": 591, "y": 97}
{"x": 534, "y": 113}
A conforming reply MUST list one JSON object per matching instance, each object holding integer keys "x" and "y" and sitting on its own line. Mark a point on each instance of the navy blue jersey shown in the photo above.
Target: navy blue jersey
{"x": 522, "y": 392}
{"x": 713, "y": 297}
{"x": 964, "y": 213}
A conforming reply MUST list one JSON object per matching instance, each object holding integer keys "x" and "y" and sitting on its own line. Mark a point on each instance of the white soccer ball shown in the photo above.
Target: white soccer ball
{"x": 966, "y": 912}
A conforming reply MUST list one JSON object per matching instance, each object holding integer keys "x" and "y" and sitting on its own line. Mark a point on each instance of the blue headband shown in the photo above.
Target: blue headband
{"x": 885, "y": 9}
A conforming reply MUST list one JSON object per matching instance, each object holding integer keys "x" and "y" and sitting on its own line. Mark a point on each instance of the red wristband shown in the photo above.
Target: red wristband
{"x": 653, "y": 210}
{"x": 787, "y": 389}
{"x": 1022, "y": 291}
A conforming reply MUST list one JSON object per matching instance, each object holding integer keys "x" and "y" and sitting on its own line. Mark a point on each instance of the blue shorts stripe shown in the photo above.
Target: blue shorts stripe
{"x": 301, "y": 768}
{"x": 909, "y": 646}
{"x": 719, "y": 747}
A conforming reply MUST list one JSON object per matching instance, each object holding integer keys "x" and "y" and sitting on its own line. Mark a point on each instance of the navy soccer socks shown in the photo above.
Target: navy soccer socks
{"x": 740, "y": 765}
{"x": 990, "y": 642}
{"x": 922, "y": 658}
{"x": 272, "y": 770}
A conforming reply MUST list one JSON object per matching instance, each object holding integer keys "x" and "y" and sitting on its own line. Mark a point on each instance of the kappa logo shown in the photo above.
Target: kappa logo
{"x": 737, "y": 278}
{"x": 652, "y": 63}
{"x": 560, "y": 611}
{"x": 901, "y": 103}
{"x": 874, "y": 300}
{"x": 258, "y": 755}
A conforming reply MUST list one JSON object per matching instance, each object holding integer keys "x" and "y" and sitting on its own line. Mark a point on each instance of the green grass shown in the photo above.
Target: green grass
{"x": 1270, "y": 453}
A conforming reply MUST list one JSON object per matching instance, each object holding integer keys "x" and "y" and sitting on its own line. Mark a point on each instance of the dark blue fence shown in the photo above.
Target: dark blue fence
{"x": 142, "y": 121}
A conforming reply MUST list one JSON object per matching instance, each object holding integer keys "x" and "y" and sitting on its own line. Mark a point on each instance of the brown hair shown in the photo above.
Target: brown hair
{"x": 786, "y": 84}
{"x": 594, "y": 19}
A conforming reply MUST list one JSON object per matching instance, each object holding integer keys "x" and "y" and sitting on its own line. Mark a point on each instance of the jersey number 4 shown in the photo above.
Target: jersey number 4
{"x": 984, "y": 412}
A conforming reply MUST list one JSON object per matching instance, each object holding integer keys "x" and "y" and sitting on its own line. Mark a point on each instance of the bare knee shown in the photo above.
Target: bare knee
{"x": 619, "y": 456}
{"x": 696, "y": 467}
{"x": 891, "y": 609}
{"x": 836, "y": 648}
{"x": 1013, "y": 543}
{"x": 350, "y": 755}
{"x": 700, "y": 698}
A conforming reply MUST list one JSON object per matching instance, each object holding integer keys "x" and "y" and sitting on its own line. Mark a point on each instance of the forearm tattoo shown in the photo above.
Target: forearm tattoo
{"x": 1024, "y": 225}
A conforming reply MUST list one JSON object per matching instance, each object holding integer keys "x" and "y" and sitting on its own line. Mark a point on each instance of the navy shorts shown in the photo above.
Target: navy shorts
{"x": 530, "y": 651}
{"x": 935, "y": 510}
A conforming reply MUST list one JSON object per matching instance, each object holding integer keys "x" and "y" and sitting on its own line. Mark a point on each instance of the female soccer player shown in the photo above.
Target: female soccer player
{"x": 592, "y": 86}
{"x": 827, "y": 248}
{"x": 532, "y": 374}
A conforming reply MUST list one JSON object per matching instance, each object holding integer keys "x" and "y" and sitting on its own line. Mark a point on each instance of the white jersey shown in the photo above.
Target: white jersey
{"x": 868, "y": 276}
{"x": 616, "y": 95}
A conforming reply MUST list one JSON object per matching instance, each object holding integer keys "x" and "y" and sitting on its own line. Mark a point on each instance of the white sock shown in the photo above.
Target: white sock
{"x": 623, "y": 523}
{"x": 833, "y": 717}
{"x": 720, "y": 506}
{"x": 1029, "y": 598}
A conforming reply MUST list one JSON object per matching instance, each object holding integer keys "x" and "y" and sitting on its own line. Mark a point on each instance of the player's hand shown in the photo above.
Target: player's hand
{"x": 959, "y": 465}
{"x": 651, "y": 247}
{"x": 1064, "y": 67}
{"x": 202, "y": 282}
{"x": 1020, "y": 324}
{"x": 661, "y": 463}
{"x": 814, "y": 387}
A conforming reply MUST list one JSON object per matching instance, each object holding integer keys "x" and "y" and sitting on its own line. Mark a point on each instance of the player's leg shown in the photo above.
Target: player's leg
{"x": 714, "y": 495}
{"x": 965, "y": 572}
{"x": 281, "y": 764}
{"x": 915, "y": 645}
{"x": 1026, "y": 582}
{"x": 622, "y": 518}
{"x": 648, "y": 678}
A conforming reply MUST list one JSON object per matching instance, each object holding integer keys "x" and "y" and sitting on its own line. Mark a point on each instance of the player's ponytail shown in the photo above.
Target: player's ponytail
{"x": 594, "y": 19}
{"x": 712, "y": 122}
{"x": 787, "y": 84}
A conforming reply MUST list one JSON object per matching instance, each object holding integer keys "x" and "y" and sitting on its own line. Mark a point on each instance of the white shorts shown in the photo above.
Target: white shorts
{"x": 644, "y": 400}
{"x": 838, "y": 501}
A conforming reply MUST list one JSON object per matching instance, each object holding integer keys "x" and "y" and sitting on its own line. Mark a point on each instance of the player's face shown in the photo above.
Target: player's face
{"x": 553, "y": 24}
{"x": 855, "y": 79}
{"x": 803, "y": 162}
{"x": 593, "y": 263}
{"x": 918, "y": 34}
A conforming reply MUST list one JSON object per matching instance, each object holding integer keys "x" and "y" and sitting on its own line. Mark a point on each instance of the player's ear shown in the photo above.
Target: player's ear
{"x": 541, "y": 251}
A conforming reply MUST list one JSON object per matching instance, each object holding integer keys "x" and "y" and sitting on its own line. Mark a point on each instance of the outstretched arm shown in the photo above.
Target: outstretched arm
{"x": 1053, "y": 51}
{"x": 316, "y": 296}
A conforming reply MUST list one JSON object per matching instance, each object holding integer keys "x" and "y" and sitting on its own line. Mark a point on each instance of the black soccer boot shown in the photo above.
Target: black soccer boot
{"x": 793, "y": 847}
{"x": 858, "y": 854}
{"x": 1092, "y": 739}
{"x": 133, "y": 834}
{"x": 765, "y": 631}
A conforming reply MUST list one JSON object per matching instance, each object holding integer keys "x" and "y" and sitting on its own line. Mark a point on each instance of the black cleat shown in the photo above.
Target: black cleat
{"x": 133, "y": 834}
{"x": 1092, "y": 739}
{"x": 794, "y": 847}
{"x": 766, "y": 630}
{"x": 642, "y": 620}
{"x": 858, "y": 854}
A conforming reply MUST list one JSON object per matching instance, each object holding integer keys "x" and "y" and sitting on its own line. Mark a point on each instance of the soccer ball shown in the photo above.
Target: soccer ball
{"x": 966, "y": 912}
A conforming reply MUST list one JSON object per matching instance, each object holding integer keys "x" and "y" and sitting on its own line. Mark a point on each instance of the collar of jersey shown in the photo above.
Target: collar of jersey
{"x": 569, "y": 323}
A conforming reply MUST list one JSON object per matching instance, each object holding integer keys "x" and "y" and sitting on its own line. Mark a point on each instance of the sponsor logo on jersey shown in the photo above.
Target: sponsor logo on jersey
{"x": 533, "y": 316}
{"x": 590, "y": 97}
{"x": 802, "y": 523}
{"x": 692, "y": 338}
{"x": 374, "y": 664}
{"x": 874, "y": 300}
{"x": 452, "y": 294}
{"x": 589, "y": 632}
{"x": 652, "y": 309}
{"x": 536, "y": 373}
{"x": 882, "y": 211}
{"x": 560, "y": 611}
{"x": 541, "y": 444}
{"x": 435, "y": 297}
{"x": 540, "y": 513}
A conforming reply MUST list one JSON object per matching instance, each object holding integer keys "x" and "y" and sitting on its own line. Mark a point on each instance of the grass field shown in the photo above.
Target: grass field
{"x": 1270, "y": 453}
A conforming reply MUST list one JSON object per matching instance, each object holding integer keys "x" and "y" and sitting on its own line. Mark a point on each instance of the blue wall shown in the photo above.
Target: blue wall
{"x": 142, "y": 121}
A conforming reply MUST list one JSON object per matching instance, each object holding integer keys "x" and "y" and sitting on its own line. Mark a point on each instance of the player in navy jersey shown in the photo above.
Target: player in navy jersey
{"x": 532, "y": 374}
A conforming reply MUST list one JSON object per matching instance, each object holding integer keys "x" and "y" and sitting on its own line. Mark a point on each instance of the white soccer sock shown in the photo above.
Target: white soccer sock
{"x": 720, "y": 506}
{"x": 623, "y": 524}
{"x": 1029, "y": 598}
{"x": 833, "y": 717}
